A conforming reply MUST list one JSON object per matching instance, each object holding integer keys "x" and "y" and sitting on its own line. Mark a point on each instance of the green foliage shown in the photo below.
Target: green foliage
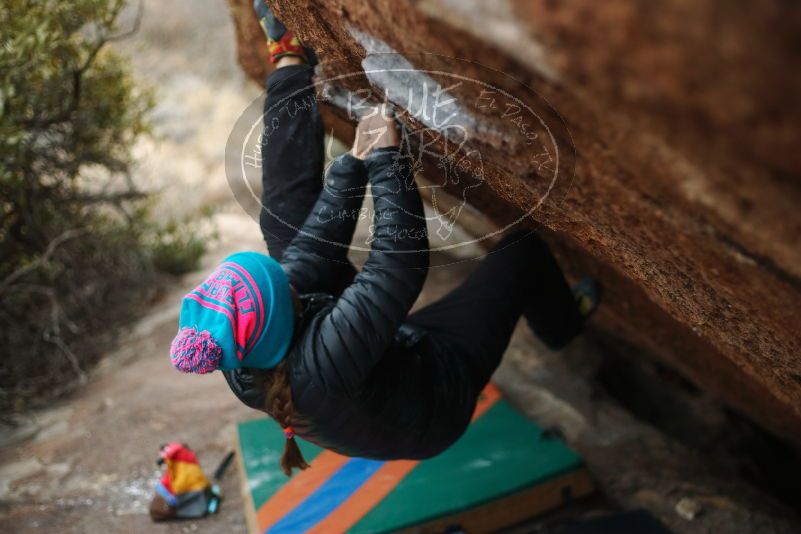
{"x": 176, "y": 246}
{"x": 73, "y": 235}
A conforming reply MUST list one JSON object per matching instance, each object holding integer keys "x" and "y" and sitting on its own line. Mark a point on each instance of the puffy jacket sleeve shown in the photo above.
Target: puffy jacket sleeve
{"x": 317, "y": 258}
{"x": 359, "y": 329}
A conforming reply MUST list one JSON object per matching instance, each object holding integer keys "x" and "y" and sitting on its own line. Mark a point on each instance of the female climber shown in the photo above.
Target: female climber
{"x": 333, "y": 354}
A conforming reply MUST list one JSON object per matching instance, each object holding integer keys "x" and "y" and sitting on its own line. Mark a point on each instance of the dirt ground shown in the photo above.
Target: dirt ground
{"x": 87, "y": 464}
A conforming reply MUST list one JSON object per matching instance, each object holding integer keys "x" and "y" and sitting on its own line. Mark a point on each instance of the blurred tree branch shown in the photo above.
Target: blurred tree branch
{"x": 77, "y": 74}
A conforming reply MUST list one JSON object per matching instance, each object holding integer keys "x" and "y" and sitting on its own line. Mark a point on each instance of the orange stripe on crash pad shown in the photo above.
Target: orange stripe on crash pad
{"x": 298, "y": 488}
{"x": 384, "y": 481}
{"x": 489, "y": 396}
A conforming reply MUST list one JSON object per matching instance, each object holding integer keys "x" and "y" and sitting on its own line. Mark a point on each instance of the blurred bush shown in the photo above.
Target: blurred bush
{"x": 77, "y": 247}
{"x": 175, "y": 247}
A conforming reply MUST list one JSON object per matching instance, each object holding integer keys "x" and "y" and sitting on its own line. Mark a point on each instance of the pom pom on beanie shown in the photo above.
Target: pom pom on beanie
{"x": 193, "y": 351}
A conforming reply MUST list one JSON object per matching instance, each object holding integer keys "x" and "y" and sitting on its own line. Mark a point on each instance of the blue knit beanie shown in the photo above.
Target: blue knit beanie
{"x": 240, "y": 316}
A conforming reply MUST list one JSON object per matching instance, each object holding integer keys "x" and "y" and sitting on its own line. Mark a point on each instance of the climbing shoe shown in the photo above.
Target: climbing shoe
{"x": 587, "y": 293}
{"x": 281, "y": 42}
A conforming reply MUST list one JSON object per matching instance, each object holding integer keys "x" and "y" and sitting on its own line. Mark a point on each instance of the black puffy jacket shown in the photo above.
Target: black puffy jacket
{"x": 364, "y": 383}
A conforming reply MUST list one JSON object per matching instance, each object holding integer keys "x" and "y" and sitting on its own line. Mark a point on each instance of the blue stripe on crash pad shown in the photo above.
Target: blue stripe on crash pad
{"x": 325, "y": 500}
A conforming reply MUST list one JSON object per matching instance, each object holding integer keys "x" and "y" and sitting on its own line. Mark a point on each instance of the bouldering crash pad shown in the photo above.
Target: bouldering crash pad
{"x": 504, "y": 470}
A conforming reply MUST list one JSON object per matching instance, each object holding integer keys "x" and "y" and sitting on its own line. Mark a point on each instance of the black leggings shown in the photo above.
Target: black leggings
{"x": 292, "y": 156}
{"x": 519, "y": 277}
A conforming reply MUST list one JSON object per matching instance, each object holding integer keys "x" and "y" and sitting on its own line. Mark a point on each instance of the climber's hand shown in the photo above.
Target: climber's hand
{"x": 377, "y": 130}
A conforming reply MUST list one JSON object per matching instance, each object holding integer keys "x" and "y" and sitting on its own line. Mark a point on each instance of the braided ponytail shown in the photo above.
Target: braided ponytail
{"x": 278, "y": 404}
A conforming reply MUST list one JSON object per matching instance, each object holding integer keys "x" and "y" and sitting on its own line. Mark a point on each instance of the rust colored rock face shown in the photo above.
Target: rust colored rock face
{"x": 685, "y": 194}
